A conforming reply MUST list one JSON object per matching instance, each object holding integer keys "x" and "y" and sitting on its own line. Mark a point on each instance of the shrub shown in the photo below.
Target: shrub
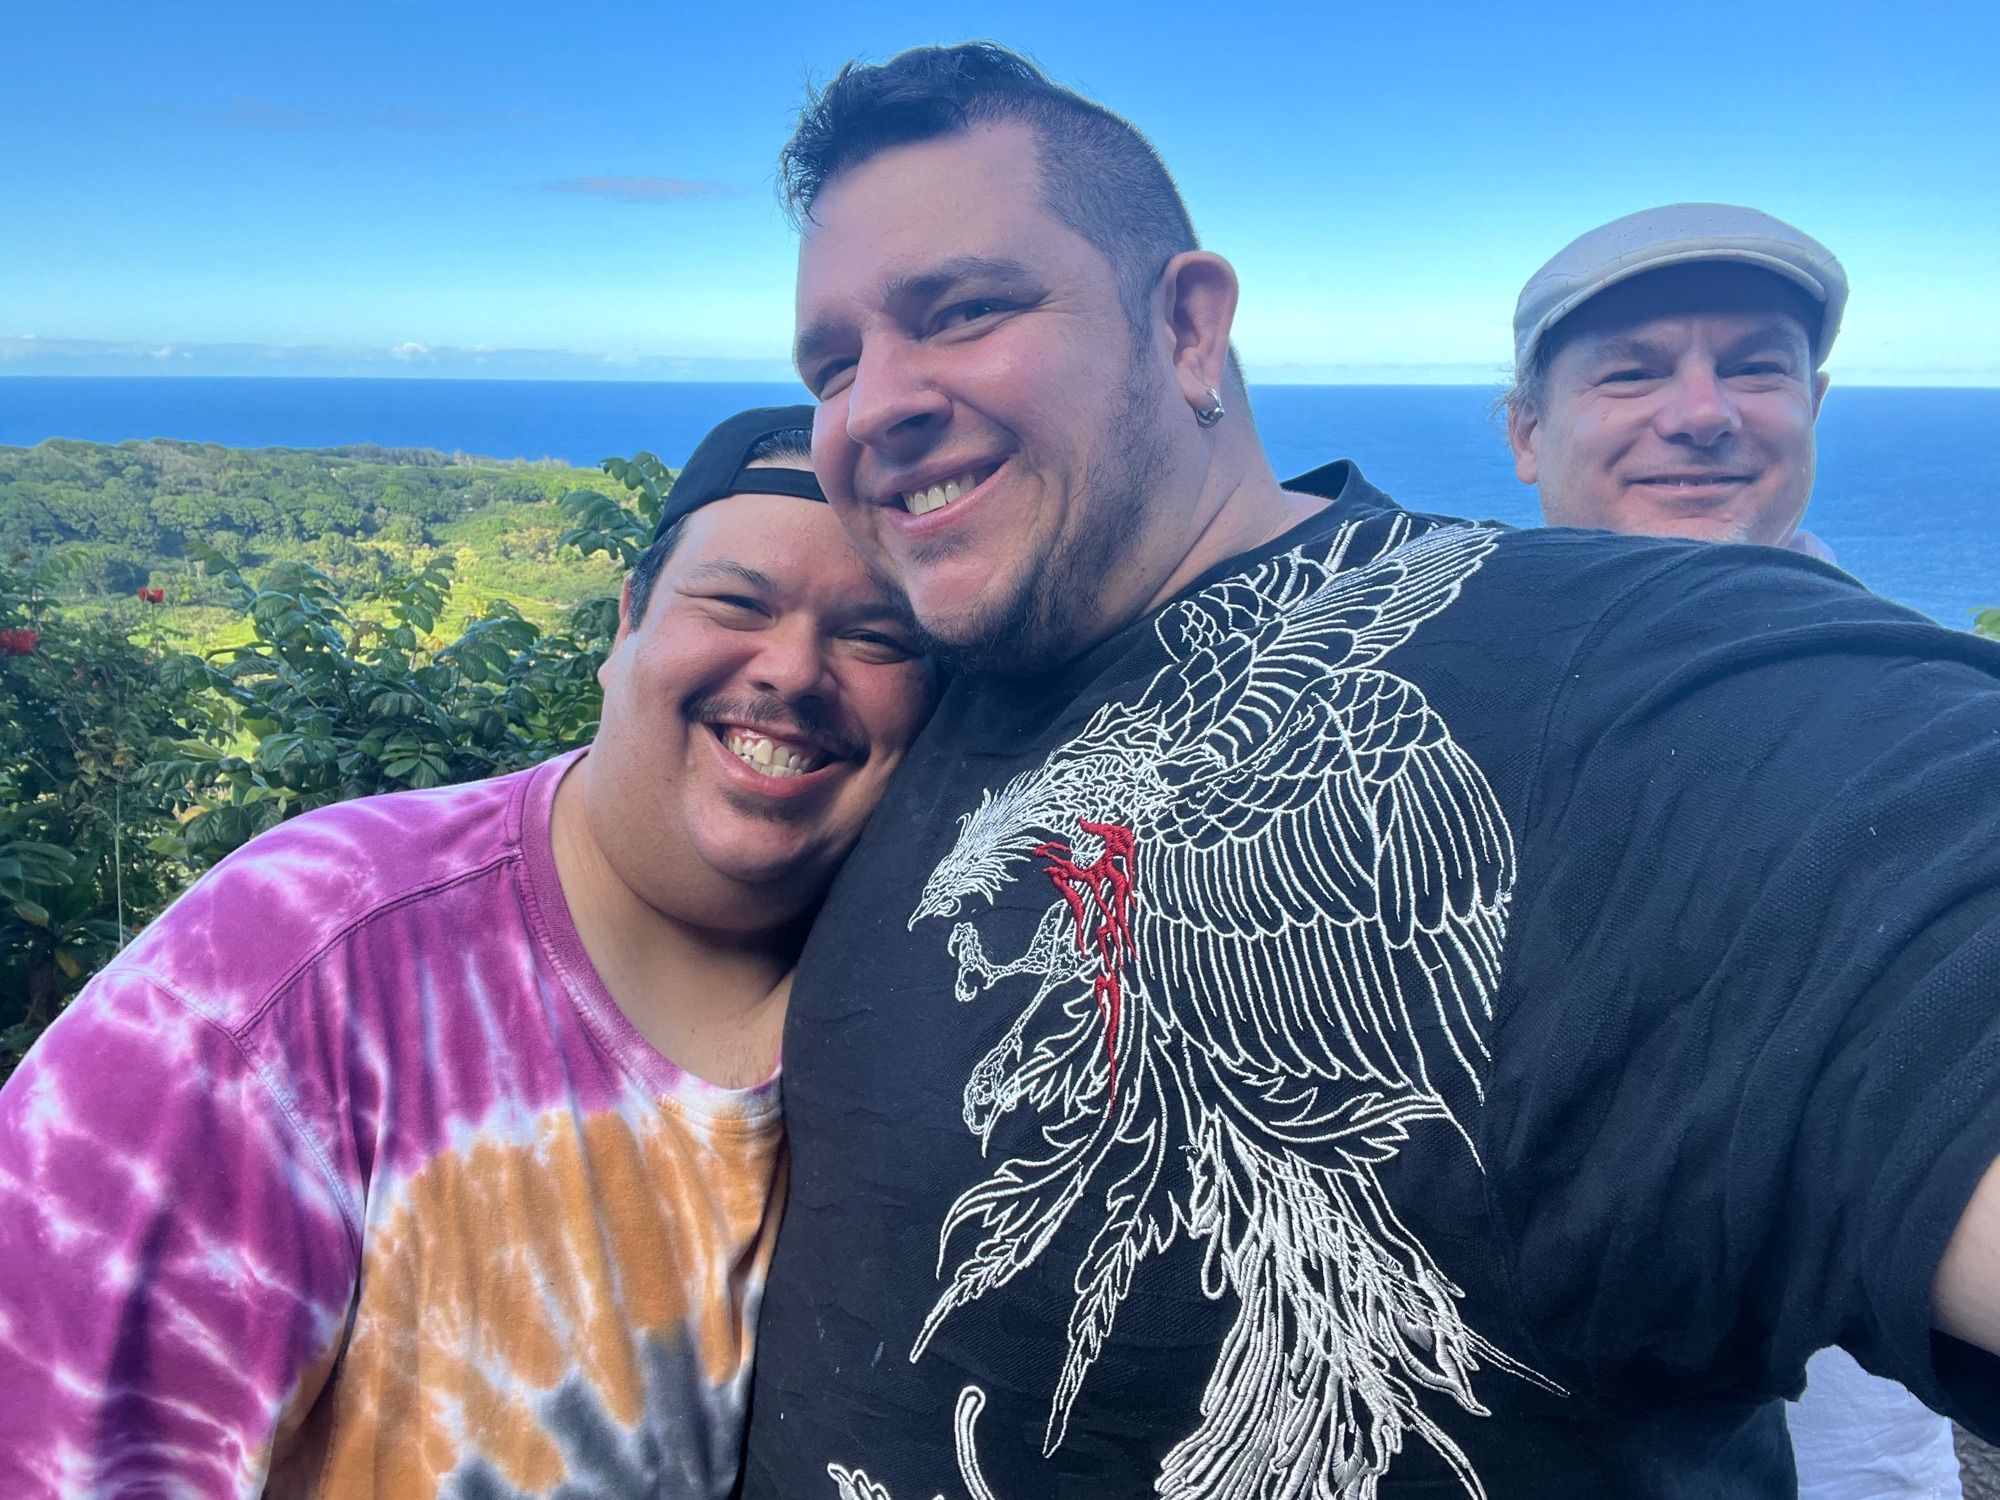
{"x": 126, "y": 768}
{"x": 82, "y": 706}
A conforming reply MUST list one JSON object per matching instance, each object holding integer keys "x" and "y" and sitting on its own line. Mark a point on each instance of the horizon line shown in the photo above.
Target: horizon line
{"x": 1862, "y": 379}
{"x": 30, "y": 355}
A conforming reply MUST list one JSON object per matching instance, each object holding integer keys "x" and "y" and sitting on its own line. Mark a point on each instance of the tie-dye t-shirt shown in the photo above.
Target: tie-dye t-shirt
{"x": 349, "y": 1178}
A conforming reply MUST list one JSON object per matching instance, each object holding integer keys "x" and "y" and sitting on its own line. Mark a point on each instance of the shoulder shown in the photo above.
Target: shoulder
{"x": 248, "y": 926}
{"x": 1521, "y": 568}
{"x": 1623, "y": 607}
{"x": 1657, "y": 620}
{"x": 1653, "y": 575}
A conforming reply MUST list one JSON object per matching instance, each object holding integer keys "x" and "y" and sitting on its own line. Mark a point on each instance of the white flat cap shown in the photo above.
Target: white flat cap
{"x": 1675, "y": 235}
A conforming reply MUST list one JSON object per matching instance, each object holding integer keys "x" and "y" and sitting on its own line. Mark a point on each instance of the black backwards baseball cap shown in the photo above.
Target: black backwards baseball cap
{"x": 715, "y": 470}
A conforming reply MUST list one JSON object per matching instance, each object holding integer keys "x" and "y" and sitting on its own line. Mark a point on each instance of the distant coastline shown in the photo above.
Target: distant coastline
{"x": 30, "y": 357}
{"x": 1905, "y": 493}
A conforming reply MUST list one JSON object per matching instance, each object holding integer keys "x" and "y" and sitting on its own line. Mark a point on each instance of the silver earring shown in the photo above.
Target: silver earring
{"x": 1215, "y": 412}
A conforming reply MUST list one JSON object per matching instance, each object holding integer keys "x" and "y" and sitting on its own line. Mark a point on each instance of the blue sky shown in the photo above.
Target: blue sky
{"x": 585, "y": 190}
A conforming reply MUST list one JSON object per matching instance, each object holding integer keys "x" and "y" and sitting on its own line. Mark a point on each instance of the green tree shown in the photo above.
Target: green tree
{"x": 126, "y": 768}
{"x": 143, "y": 505}
{"x": 82, "y": 708}
{"x": 333, "y": 699}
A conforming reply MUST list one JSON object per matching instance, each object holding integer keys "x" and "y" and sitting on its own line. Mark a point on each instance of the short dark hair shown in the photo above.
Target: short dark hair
{"x": 1528, "y": 394}
{"x": 1100, "y": 177}
{"x": 646, "y": 572}
{"x": 789, "y": 449}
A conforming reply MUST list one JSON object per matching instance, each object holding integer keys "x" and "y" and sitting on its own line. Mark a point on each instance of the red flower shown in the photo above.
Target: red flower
{"x": 156, "y": 596}
{"x": 18, "y": 642}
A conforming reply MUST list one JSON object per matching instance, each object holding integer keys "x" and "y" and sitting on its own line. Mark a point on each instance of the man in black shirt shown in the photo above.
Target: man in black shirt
{"x": 1338, "y": 1003}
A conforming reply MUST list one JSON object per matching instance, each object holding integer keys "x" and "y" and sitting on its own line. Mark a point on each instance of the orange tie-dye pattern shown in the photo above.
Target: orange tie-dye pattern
{"x": 507, "y": 1270}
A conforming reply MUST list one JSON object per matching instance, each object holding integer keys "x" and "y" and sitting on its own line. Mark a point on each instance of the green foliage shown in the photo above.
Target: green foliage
{"x": 127, "y": 767}
{"x": 325, "y": 703}
{"x": 620, "y": 529}
{"x": 1987, "y": 623}
{"x": 145, "y": 512}
{"x": 82, "y": 704}
{"x": 602, "y": 526}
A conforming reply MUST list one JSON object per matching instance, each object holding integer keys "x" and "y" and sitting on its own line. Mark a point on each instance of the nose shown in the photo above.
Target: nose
{"x": 791, "y": 663}
{"x": 891, "y": 403}
{"x": 1698, "y": 409}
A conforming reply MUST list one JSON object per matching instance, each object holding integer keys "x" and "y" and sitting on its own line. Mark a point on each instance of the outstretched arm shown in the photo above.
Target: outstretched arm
{"x": 1817, "y": 771}
{"x": 1965, "y": 1297}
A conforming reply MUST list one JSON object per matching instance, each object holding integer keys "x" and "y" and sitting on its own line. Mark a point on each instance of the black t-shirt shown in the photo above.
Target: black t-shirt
{"x": 1435, "y": 1010}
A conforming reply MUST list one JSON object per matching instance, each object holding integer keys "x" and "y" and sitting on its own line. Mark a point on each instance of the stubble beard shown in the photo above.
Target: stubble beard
{"x": 1049, "y": 614}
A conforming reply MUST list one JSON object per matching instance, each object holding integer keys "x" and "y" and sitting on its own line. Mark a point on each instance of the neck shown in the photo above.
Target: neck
{"x": 1242, "y": 507}
{"x": 711, "y": 1000}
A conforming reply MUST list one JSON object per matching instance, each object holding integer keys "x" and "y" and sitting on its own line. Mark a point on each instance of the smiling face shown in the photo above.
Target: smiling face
{"x": 751, "y": 717}
{"x": 1680, "y": 403}
{"x": 991, "y": 433}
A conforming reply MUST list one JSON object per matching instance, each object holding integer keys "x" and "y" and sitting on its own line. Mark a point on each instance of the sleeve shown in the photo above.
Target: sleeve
{"x": 1748, "y": 1064}
{"x": 176, "y": 1262}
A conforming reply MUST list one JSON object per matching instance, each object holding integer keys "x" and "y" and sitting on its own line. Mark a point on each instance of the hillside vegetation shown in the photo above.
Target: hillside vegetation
{"x": 142, "y": 515}
{"x": 198, "y": 643}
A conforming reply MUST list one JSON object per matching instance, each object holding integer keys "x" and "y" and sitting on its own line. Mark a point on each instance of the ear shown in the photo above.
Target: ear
{"x": 1199, "y": 295}
{"x": 624, "y": 633}
{"x": 1819, "y": 392}
{"x": 1524, "y": 431}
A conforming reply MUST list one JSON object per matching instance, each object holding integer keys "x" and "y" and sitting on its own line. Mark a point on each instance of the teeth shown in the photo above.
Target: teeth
{"x": 768, "y": 756}
{"x": 938, "y": 496}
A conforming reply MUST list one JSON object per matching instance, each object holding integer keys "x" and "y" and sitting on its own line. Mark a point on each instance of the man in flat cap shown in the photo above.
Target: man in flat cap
{"x": 1668, "y": 373}
{"x": 429, "y": 1144}
{"x": 1668, "y": 376}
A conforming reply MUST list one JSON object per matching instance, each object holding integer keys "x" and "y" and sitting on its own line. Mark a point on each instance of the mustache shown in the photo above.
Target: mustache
{"x": 805, "y": 720}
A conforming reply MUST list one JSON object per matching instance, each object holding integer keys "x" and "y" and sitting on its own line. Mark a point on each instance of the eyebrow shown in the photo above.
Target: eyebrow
{"x": 1775, "y": 331}
{"x": 1624, "y": 346}
{"x": 1785, "y": 331}
{"x": 919, "y": 287}
{"x": 724, "y": 571}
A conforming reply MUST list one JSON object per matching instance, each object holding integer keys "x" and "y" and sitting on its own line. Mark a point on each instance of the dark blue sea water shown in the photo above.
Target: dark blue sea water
{"x": 1909, "y": 489}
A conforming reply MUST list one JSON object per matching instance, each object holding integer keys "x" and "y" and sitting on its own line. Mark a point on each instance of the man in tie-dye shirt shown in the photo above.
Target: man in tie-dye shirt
{"x": 430, "y": 1144}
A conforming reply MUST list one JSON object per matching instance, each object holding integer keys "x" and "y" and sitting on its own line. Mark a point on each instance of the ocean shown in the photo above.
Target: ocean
{"x": 1908, "y": 495}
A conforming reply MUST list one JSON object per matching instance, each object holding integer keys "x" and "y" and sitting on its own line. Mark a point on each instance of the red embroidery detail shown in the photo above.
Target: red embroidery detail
{"x": 1100, "y": 893}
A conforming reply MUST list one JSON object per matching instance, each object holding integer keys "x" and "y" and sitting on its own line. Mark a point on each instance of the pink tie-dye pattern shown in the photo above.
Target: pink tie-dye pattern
{"x": 192, "y": 1159}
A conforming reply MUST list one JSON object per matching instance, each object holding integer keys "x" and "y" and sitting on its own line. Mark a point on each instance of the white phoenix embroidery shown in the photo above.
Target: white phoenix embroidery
{"x": 1267, "y": 869}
